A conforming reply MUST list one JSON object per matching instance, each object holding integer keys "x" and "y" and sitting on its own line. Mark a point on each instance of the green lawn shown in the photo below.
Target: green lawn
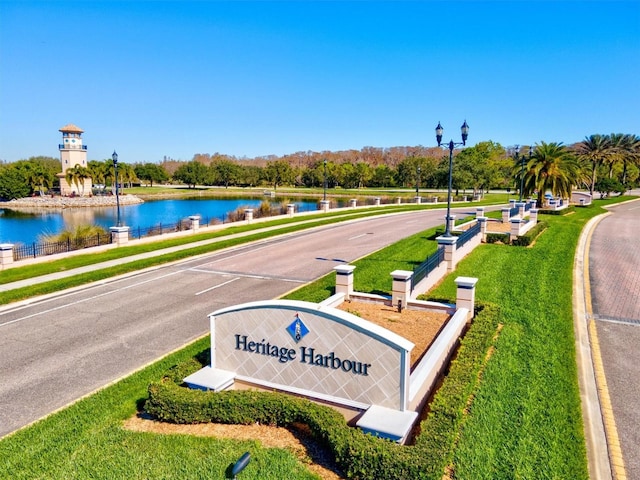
{"x": 524, "y": 421}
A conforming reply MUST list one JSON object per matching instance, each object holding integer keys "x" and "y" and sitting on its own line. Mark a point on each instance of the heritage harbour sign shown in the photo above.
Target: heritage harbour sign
{"x": 308, "y": 349}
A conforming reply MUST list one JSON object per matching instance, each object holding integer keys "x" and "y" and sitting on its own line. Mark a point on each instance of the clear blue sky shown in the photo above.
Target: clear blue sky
{"x": 156, "y": 78}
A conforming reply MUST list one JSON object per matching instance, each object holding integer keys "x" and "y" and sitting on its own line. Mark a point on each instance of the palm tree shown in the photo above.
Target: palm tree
{"x": 77, "y": 175}
{"x": 629, "y": 151}
{"x": 596, "y": 150}
{"x": 552, "y": 167}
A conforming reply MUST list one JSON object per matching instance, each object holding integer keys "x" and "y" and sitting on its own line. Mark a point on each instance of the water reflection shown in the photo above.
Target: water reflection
{"x": 28, "y": 225}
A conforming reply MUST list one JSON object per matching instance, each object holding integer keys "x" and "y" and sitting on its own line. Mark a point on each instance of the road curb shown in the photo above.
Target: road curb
{"x": 598, "y": 420}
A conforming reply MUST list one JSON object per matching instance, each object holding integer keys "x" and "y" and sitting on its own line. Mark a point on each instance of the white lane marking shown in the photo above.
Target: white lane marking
{"x": 217, "y": 286}
{"x": 358, "y": 236}
{"x": 77, "y": 302}
{"x": 249, "y": 275}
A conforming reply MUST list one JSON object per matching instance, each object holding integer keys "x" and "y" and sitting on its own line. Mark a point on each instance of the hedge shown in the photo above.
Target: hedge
{"x": 359, "y": 455}
{"x": 528, "y": 238}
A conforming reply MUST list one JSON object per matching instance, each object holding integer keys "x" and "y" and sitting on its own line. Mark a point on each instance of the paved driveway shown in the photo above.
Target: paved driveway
{"x": 614, "y": 271}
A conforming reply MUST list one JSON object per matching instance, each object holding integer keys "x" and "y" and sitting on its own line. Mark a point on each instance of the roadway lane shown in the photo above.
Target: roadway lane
{"x": 56, "y": 350}
{"x": 614, "y": 272}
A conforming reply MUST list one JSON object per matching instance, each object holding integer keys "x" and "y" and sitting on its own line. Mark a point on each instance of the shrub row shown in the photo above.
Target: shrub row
{"x": 528, "y": 238}
{"x": 360, "y": 456}
{"x": 497, "y": 237}
{"x": 564, "y": 211}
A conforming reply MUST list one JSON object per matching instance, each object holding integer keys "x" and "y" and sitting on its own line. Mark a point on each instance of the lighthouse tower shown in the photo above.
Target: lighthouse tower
{"x": 73, "y": 156}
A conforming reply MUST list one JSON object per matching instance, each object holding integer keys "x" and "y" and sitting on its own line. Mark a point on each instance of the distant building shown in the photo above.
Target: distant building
{"x": 73, "y": 154}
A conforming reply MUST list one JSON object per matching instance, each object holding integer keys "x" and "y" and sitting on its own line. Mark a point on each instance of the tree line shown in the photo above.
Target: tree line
{"x": 600, "y": 163}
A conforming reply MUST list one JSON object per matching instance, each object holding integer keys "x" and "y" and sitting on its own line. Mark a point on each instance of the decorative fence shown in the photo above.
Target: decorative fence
{"x": 426, "y": 267}
{"x": 159, "y": 229}
{"x": 40, "y": 249}
{"x": 513, "y": 212}
{"x": 468, "y": 234}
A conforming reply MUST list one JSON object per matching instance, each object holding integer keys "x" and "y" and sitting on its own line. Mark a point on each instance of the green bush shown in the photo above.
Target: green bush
{"x": 497, "y": 237}
{"x": 359, "y": 455}
{"x": 528, "y": 238}
{"x": 564, "y": 211}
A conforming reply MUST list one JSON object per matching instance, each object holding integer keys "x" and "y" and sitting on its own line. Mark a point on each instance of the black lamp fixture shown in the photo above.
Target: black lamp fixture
{"x": 114, "y": 157}
{"x": 464, "y": 131}
{"x": 418, "y": 170}
{"x": 522, "y": 159}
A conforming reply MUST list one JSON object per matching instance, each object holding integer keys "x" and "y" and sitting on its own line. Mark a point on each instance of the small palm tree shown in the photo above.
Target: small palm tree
{"x": 552, "y": 167}
{"x": 77, "y": 175}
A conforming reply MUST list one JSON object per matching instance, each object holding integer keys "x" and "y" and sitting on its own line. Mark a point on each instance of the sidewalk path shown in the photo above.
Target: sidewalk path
{"x": 614, "y": 273}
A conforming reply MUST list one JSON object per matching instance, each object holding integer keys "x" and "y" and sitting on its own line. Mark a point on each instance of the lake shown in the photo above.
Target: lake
{"x": 19, "y": 227}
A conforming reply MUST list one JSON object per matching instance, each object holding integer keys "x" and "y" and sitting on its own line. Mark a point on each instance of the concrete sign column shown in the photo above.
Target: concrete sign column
{"x": 466, "y": 294}
{"x": 401, "y": 289}
{"x": 291, "y": 209}
{"x": 324, "y": 205}
{"x": 344, "y": 279}
{"x": 248, "y": 215}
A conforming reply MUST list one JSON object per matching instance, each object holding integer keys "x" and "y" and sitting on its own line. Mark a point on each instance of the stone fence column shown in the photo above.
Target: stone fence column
{"x": 401, "y": 289}
{"x": 353, "y": 203}
{"x": 376, "y": 201}
{"x": 398, "y": 200}
{"x": 533, "y": 215}
{"x": 520, "y": 206}
{"x": 418, "y": 199}
{"x": 344, "y": 279}
{"x": 515, "y": 228}
{"x": 479, "y": 212}
{"x": 483, "y": 227}
{"x": 291, "y": 209}
{"x": 6, "y": 255}
{"x": 119, "y": 235}
{"x": 466, "y": 294}
{"x": 248, "y": 214}
{"x": 449, "y": 244}
{"x": 195, "y": 222}
{"x": 505, "y": 214}
{"x": 324, "y": 205}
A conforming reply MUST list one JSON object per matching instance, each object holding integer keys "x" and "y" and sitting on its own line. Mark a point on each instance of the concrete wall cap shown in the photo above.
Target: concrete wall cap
{"x": 401, "y": 274}
{"x": 466, "y": 282}
{"x": 344, "y": 269}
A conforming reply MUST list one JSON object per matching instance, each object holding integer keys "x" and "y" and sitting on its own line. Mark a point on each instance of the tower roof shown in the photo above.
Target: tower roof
{"x": 71, "y": 128}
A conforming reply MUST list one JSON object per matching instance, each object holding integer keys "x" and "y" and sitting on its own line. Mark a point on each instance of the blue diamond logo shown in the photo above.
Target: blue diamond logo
{"x": 297, "y": 329}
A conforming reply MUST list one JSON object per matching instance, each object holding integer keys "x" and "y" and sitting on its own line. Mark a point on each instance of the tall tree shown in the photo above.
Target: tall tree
{"x": 191, "y": 174}
{"x": 279, "y": 172}
{"x": 553, "y": 167}
{"x": 595, "y": 150}
{"x": 151, "y": 173}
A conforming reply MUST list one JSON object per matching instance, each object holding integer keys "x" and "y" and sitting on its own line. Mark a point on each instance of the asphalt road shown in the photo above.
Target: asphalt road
{"x": 55, "y": 350}
{"x": 614, "y": 271}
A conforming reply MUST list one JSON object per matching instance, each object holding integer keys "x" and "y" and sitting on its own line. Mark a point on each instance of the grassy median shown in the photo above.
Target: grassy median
{"x": 523, "y": 422}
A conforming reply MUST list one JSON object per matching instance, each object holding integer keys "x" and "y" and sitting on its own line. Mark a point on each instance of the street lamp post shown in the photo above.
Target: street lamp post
{"x": 522, "y": 167}
{"x": 324, "y": 197}
{"x": 464, "y": 130}
{"x": 418, "y": 183}
{"x": 115, "y": 168}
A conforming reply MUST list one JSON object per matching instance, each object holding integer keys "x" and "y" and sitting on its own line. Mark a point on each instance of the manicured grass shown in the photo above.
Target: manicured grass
{"x": 524, "y": 421}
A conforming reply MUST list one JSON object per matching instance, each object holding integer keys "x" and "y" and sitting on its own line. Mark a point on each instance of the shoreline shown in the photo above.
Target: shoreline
{"x": 69, "y": 202}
